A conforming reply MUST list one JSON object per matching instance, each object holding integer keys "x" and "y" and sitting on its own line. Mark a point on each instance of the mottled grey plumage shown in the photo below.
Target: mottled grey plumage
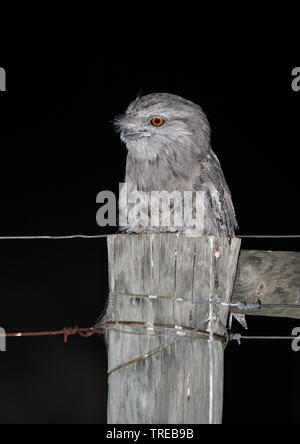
{"x": 175, "y": 156}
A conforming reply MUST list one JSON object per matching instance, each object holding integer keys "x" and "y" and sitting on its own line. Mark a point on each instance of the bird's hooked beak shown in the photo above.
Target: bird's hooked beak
{"x": 128, "y": 130}
{"x": 133, "y": 134}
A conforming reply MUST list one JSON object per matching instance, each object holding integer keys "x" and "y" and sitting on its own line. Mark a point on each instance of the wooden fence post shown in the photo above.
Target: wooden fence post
{"x": 270, "y": 278}
{"x": 167, "y": 311}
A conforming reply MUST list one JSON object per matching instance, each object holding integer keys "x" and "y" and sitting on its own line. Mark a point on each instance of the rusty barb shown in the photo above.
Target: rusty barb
{"x": 66, "y": 332}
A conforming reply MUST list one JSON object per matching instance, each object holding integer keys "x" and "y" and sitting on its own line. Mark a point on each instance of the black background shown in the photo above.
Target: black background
{"x": 58, "y": 150}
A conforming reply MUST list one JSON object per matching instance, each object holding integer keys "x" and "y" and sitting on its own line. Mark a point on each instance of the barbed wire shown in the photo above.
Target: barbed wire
{"x": 147, "y": 330}
{"x": 100, "y": 328}
{"x": 172, "y": 332}
{"x": 66, "y": 332}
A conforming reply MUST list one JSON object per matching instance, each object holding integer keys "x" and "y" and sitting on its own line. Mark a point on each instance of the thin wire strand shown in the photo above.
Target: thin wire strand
{"x": 237, "y": 305}
{"x": 71, "y": 236}
{"x": 99, "y": 236}
{"x": 237, "y": 337}
{"x": 269, "y": 236}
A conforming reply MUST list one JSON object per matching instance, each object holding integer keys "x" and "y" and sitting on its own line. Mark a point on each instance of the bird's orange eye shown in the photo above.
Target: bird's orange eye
{"x": 157, "y": 121}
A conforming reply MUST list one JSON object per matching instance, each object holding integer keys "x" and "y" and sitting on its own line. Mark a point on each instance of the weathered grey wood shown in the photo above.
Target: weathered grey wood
{"x": 153, "y": 282}
{"x": 272, "y": 277}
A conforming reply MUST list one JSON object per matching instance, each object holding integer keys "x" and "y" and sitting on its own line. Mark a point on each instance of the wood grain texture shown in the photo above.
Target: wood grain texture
{"x": 271, "y": 277}
{"x": 153, "y": 281}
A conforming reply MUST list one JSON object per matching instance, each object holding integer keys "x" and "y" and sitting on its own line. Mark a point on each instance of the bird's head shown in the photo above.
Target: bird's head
{"x": 157, "y": 123}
